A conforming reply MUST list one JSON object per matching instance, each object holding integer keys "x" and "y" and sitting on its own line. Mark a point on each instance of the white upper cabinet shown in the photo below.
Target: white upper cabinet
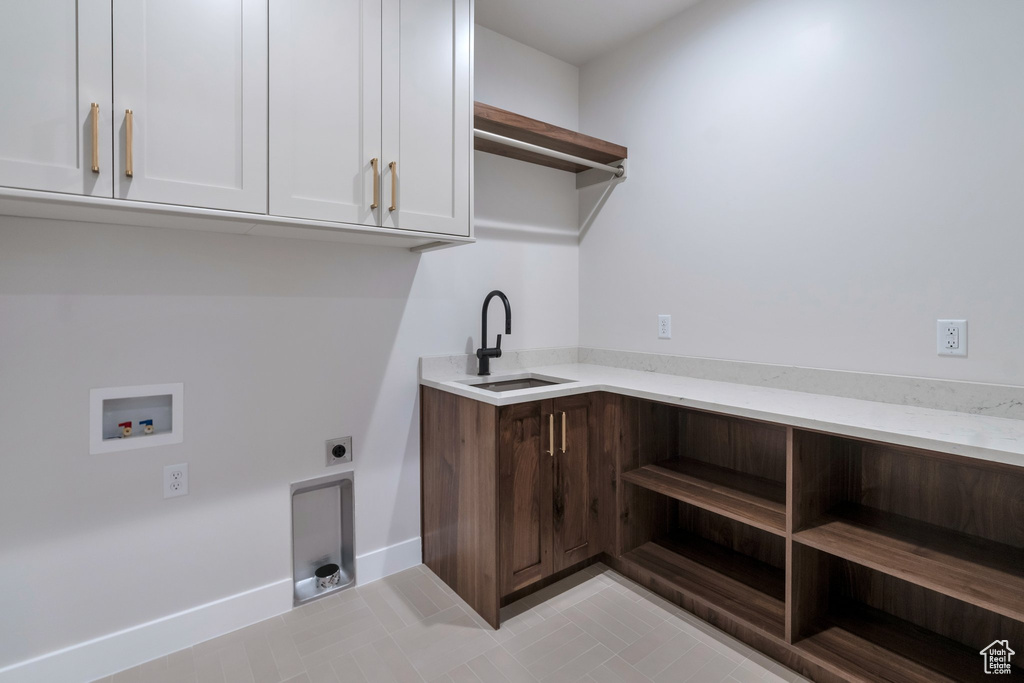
{"x": 325, "y": 116}
{"x": 55, "y": 58}
{"x": 325, "y": 110}
{"x": 194, "y": 76}
{"x": 427, "y": 115}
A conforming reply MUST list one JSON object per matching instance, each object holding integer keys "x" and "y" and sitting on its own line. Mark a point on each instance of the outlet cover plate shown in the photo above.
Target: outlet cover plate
{"x": 951, "y": 337}
{"x": 346, "y": 443}
{"x": 176, "y": 480}
{"x": 664, "y": 326}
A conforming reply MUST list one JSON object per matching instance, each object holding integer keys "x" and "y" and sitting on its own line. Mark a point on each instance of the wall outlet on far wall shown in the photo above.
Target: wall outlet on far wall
{"x": 951, "y": 337}
{"x": 664, "y": 327}
{"x": 176, "y": 480}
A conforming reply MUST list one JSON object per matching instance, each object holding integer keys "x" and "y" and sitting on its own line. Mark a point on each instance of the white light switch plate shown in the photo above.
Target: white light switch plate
{"x": 951, "y": 337}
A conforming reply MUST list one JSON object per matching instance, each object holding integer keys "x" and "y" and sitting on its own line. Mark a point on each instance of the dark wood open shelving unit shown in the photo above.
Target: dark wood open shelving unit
{"x": 525, "y": 129}
{"x": 847, "y": 560}
{"x": 759, "y": 502}
{"x": 969, "y": 568}
{"x": 863, "y": 643}
{"x": 753, "y": 592}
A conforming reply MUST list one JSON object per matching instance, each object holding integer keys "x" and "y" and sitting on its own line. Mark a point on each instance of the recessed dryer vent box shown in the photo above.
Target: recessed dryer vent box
{"x": 323, "y": 531}
{"x": 153, "y": 412}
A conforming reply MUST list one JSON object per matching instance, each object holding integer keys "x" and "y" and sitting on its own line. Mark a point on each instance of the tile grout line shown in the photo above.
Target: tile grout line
{"x": 616, "y": 619}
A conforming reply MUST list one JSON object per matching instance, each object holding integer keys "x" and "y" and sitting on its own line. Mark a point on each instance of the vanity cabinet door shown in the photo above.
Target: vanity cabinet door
{"x": 56, "y": 67}
{"x": 427, "y": 115}
{"x": 575, "y": 500}
{"x": 194, "y": 76}
{"x": 325, "y": 110}
{"x": 524, "y": 494}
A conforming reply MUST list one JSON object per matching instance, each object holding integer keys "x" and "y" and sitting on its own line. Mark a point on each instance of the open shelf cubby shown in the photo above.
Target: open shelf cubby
{"x": 862, "y": 624}
{"x": 718, "y": 562}
{"x": 941, "y": 522}
{"x": 734, "y": 468}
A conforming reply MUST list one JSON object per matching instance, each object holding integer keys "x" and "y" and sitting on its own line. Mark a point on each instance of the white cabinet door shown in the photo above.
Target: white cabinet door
{"x": 325, "y": 62}
{"x": 54, "y": 64}
{"x": 194, "y": 75}
{"x": 427, "y": 114}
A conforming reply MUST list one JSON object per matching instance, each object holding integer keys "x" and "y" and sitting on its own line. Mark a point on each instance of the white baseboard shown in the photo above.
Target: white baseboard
{"x": 122, "y": 650}
{"x": 387, "y": 561}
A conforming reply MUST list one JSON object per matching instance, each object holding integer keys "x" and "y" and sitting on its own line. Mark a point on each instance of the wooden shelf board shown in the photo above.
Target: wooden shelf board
{"x": 745, "y": 589}
{"x": 525, "y": 129}
{"x": 968, "y": 568}
{"x": 861, "y": 643}
{"x": 752, "y": 500}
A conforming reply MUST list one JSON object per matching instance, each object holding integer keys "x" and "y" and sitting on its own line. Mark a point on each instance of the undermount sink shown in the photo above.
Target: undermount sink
{"x": 516, "y": 383}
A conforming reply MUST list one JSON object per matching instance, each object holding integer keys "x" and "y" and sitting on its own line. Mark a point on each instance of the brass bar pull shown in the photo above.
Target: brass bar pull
{"x": 128, "y": 142}
{"x": 394, "y": 185}
{"x": 551, "y": 435}
{"x": 374, "y": 163}
{"x": 563, "y": 432}
{"x": 95, "y": 138}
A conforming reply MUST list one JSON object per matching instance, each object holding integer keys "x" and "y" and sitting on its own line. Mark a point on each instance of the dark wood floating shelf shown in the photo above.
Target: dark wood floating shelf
{"x": 525, "y": 129}
{"x": 749, "y": 591}
{"x": 864, "y": 644}
{"x": 977, "y": 571}
{"x": 752, "y": 500}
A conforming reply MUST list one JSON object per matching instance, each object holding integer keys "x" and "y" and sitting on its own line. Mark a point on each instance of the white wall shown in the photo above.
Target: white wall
{"x": 512, "y": 195}
{"x": 281, "y": 344}
{"x": 814, "y": 182}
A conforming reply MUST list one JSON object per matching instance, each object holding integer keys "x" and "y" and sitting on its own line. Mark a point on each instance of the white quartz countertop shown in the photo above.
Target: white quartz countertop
{"x": 994, "y": 439}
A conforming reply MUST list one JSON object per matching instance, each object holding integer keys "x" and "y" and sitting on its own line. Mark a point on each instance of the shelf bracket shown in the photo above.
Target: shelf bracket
{"x": 596, "y": 176}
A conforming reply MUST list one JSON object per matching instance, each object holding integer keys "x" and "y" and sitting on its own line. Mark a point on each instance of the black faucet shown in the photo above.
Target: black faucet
{"x": 486, "y": 354}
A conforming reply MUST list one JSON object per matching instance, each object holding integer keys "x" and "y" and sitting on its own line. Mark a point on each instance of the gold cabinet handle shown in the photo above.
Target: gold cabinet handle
{"x": 374, "y": 163}
{"x": 394, "y": 185}
{"x": 95, "y": 138}
{"x": 563, "y": 432}
{"x": 551, "y": 435}
{"x": 128, "y": 142}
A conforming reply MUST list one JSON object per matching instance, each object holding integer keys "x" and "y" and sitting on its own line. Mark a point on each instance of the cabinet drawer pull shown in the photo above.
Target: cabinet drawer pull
{"x": 551, "y": 435}
{"x": 128, "y": 117}
{"x": 375, "y": 164}
{"x": 95, "y": 138}
{"x": 394, "y": 185}
{"x": 563, "y": 432}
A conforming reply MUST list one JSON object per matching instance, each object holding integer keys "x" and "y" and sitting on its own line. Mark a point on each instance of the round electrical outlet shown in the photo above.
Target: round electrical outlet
{"x": 338, "y": 451}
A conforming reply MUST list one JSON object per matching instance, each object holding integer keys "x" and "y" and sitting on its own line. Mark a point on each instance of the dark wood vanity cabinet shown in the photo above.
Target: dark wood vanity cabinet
{"x": 843, "y": 558}
{"x": 548, "y": 510}
{"x": 512, "y": 495}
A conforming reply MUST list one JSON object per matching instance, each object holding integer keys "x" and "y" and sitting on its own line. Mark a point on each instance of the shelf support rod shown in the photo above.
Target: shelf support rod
{"x": 617, "y": 171}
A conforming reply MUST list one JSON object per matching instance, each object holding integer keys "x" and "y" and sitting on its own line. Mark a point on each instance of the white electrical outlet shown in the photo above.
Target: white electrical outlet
{"x": 176, "y": 480}
{"x": 664, "y": 327}
{"x": 951, "y": 337}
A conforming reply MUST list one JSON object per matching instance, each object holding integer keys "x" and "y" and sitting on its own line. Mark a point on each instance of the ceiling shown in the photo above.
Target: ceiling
{"x": 574, "y": 31}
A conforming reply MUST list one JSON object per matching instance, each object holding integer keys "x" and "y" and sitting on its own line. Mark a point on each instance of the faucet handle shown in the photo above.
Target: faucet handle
{"x": 498, "y": 345}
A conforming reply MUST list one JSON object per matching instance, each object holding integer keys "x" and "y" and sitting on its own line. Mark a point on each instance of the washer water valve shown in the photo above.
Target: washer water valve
{"x": 126, "y": 429}
{"x": 147, "y": 426}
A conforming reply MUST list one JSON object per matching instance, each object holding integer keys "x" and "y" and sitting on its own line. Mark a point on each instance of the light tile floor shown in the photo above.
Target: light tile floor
{"x": 595, "y": 626}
